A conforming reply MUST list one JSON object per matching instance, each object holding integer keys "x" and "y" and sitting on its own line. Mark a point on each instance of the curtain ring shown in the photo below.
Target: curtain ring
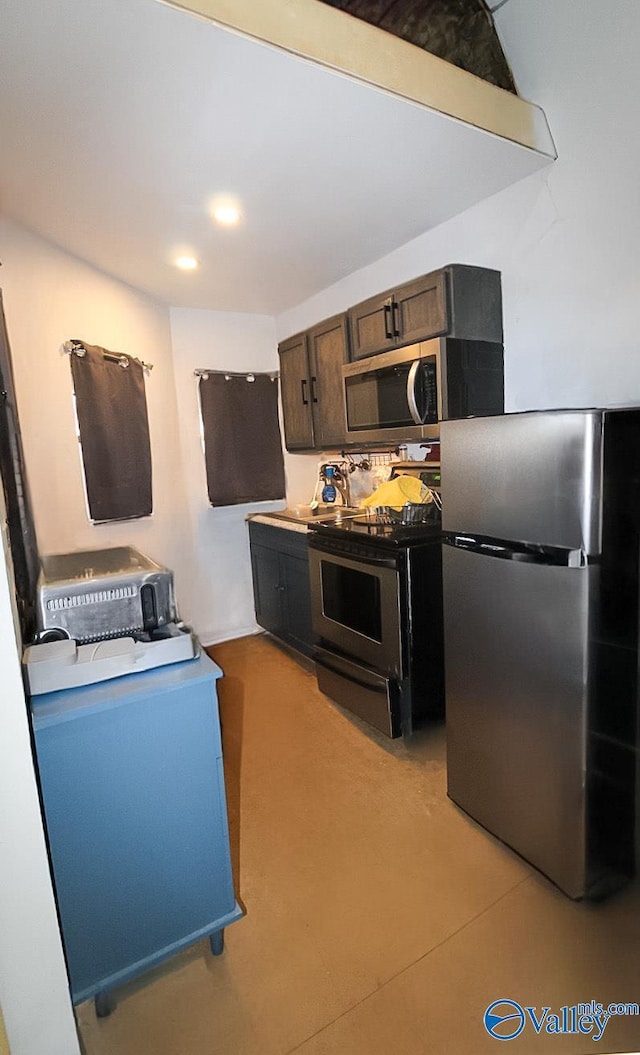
{"x": 74, "y": 347}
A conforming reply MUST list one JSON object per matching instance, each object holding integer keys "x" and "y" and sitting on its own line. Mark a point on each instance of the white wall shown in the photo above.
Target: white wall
{"x": 223, "y": 597}
{"x": 50, "y": 296}
{"x": 566, "y": 240}
{"x": 33, "y": 981}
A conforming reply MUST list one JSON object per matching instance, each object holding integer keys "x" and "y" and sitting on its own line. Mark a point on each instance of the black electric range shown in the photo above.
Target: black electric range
{"x": 376, "y": 604}
{"x": 379, "y": 530}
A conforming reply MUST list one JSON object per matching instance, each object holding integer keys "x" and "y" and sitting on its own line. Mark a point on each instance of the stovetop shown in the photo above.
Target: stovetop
{"x": 377, "y": 529}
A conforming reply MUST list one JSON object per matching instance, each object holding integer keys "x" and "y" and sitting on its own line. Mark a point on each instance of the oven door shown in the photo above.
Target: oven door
{"x": 356, "y": 605}
{"x": 394, "y": 396}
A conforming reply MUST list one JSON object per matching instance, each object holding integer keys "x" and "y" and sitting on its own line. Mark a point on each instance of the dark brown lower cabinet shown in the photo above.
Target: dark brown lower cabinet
{"x": 282, "y": 596}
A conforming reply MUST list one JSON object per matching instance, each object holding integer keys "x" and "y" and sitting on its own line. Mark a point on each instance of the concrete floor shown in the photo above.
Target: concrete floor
{"x": 380, "y": 920}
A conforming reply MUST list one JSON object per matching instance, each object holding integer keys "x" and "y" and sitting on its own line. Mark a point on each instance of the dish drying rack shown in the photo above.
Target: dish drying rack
{"x": 428, "y": 511}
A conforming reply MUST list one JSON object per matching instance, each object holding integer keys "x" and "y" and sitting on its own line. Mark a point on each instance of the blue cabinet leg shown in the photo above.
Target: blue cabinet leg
{"x": 216, "y": 941}
{"x": 104, "y": 1004}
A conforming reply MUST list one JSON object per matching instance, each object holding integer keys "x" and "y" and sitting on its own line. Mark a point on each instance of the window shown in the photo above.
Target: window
{"x": 242, "y": 445}
{"x": 113, "y": 426}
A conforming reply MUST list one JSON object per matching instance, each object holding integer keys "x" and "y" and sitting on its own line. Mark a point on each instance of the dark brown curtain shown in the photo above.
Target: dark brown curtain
{"x": 243, "y": 449}
{"x": 114, "y": 433}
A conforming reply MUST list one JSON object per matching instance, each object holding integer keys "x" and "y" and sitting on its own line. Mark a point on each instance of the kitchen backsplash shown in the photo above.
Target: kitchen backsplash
{"x": 359, "y": 474}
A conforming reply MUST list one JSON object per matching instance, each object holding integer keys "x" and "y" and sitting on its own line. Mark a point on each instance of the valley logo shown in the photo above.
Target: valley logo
{"x": 506, "y": 1019}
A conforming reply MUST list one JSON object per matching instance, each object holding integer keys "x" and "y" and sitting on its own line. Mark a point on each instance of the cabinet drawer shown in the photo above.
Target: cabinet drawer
{"x": 371, "y": 696}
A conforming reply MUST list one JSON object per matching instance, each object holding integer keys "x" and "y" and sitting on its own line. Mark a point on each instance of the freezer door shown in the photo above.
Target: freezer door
{"x": 516, "y": 661}
{"x": 533, "y": 477}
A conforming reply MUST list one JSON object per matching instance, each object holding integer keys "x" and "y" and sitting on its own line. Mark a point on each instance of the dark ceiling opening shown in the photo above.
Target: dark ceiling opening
{"x": 460, "y": 31}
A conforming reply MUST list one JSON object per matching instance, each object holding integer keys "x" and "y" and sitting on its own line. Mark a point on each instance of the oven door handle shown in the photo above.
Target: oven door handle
{"x": 374, "y": 562}
{"x": 379, "y": 562}
{"x": 411, "y": 392}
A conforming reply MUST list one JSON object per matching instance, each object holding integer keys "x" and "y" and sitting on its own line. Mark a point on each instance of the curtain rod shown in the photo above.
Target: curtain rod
{"x": 228, "y": 374}
{"x": 75, "y": 347}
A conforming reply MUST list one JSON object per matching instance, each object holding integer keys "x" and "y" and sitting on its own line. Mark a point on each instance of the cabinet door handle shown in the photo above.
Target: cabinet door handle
{"x": 314, "y": 396}
{"x": 388, "y": 322}
{"x": 303, "y": 385}
{"x": 395, "y": 315}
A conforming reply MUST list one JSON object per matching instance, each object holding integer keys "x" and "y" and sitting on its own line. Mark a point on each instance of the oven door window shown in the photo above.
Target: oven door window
{"x": 398, "y": 396}
{"x": 356, "y": 604}
{"x": 352, "y": 599}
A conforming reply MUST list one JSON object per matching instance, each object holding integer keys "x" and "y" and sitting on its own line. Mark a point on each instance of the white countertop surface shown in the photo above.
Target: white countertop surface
{"x": 273, "y": 521}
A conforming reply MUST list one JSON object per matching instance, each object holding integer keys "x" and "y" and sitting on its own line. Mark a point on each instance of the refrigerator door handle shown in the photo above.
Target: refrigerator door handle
{"x": 577, "y": 558}
{"x": 528, "y": 554}
{"x": 478, "y": 545}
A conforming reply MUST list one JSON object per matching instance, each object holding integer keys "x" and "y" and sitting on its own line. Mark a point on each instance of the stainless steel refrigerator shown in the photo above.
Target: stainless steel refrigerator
{"x": 541, "y": 522}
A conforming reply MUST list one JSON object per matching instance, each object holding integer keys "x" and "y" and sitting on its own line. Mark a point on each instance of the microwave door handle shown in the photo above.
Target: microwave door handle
{"x": 411, "y": 392}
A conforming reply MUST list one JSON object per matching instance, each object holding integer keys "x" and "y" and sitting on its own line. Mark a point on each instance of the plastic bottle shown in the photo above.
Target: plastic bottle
{"x": 329, "y": 490}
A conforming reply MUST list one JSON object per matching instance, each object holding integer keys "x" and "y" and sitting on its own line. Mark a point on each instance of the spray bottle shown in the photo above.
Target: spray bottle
{"x": 329, "y": 489}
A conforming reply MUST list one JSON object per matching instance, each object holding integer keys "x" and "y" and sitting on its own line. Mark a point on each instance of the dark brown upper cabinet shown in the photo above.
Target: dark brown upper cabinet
{"x": 295, "y": 391}
{"x": 311, "y": 386}
{"x": 458, "y": 300}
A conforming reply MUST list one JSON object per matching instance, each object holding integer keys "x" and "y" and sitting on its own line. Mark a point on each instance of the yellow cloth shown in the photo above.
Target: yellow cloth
{"x": 396, "y": 492}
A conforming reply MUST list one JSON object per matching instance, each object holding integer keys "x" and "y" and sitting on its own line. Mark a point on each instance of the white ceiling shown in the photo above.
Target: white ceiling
{"x": 120, "y": 121}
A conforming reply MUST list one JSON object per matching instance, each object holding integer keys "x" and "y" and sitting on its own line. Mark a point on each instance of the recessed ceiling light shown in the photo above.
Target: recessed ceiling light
{"x": 225, "y": 212}
{"x": 186, "y": 263}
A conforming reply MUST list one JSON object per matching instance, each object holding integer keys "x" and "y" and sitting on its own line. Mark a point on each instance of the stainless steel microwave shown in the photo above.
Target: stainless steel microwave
{"x": 395, "y": 395}
{"x": 403, "y": 395}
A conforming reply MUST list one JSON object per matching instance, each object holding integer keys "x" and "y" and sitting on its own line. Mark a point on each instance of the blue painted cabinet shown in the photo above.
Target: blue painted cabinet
{"x": 134, "y": 799}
